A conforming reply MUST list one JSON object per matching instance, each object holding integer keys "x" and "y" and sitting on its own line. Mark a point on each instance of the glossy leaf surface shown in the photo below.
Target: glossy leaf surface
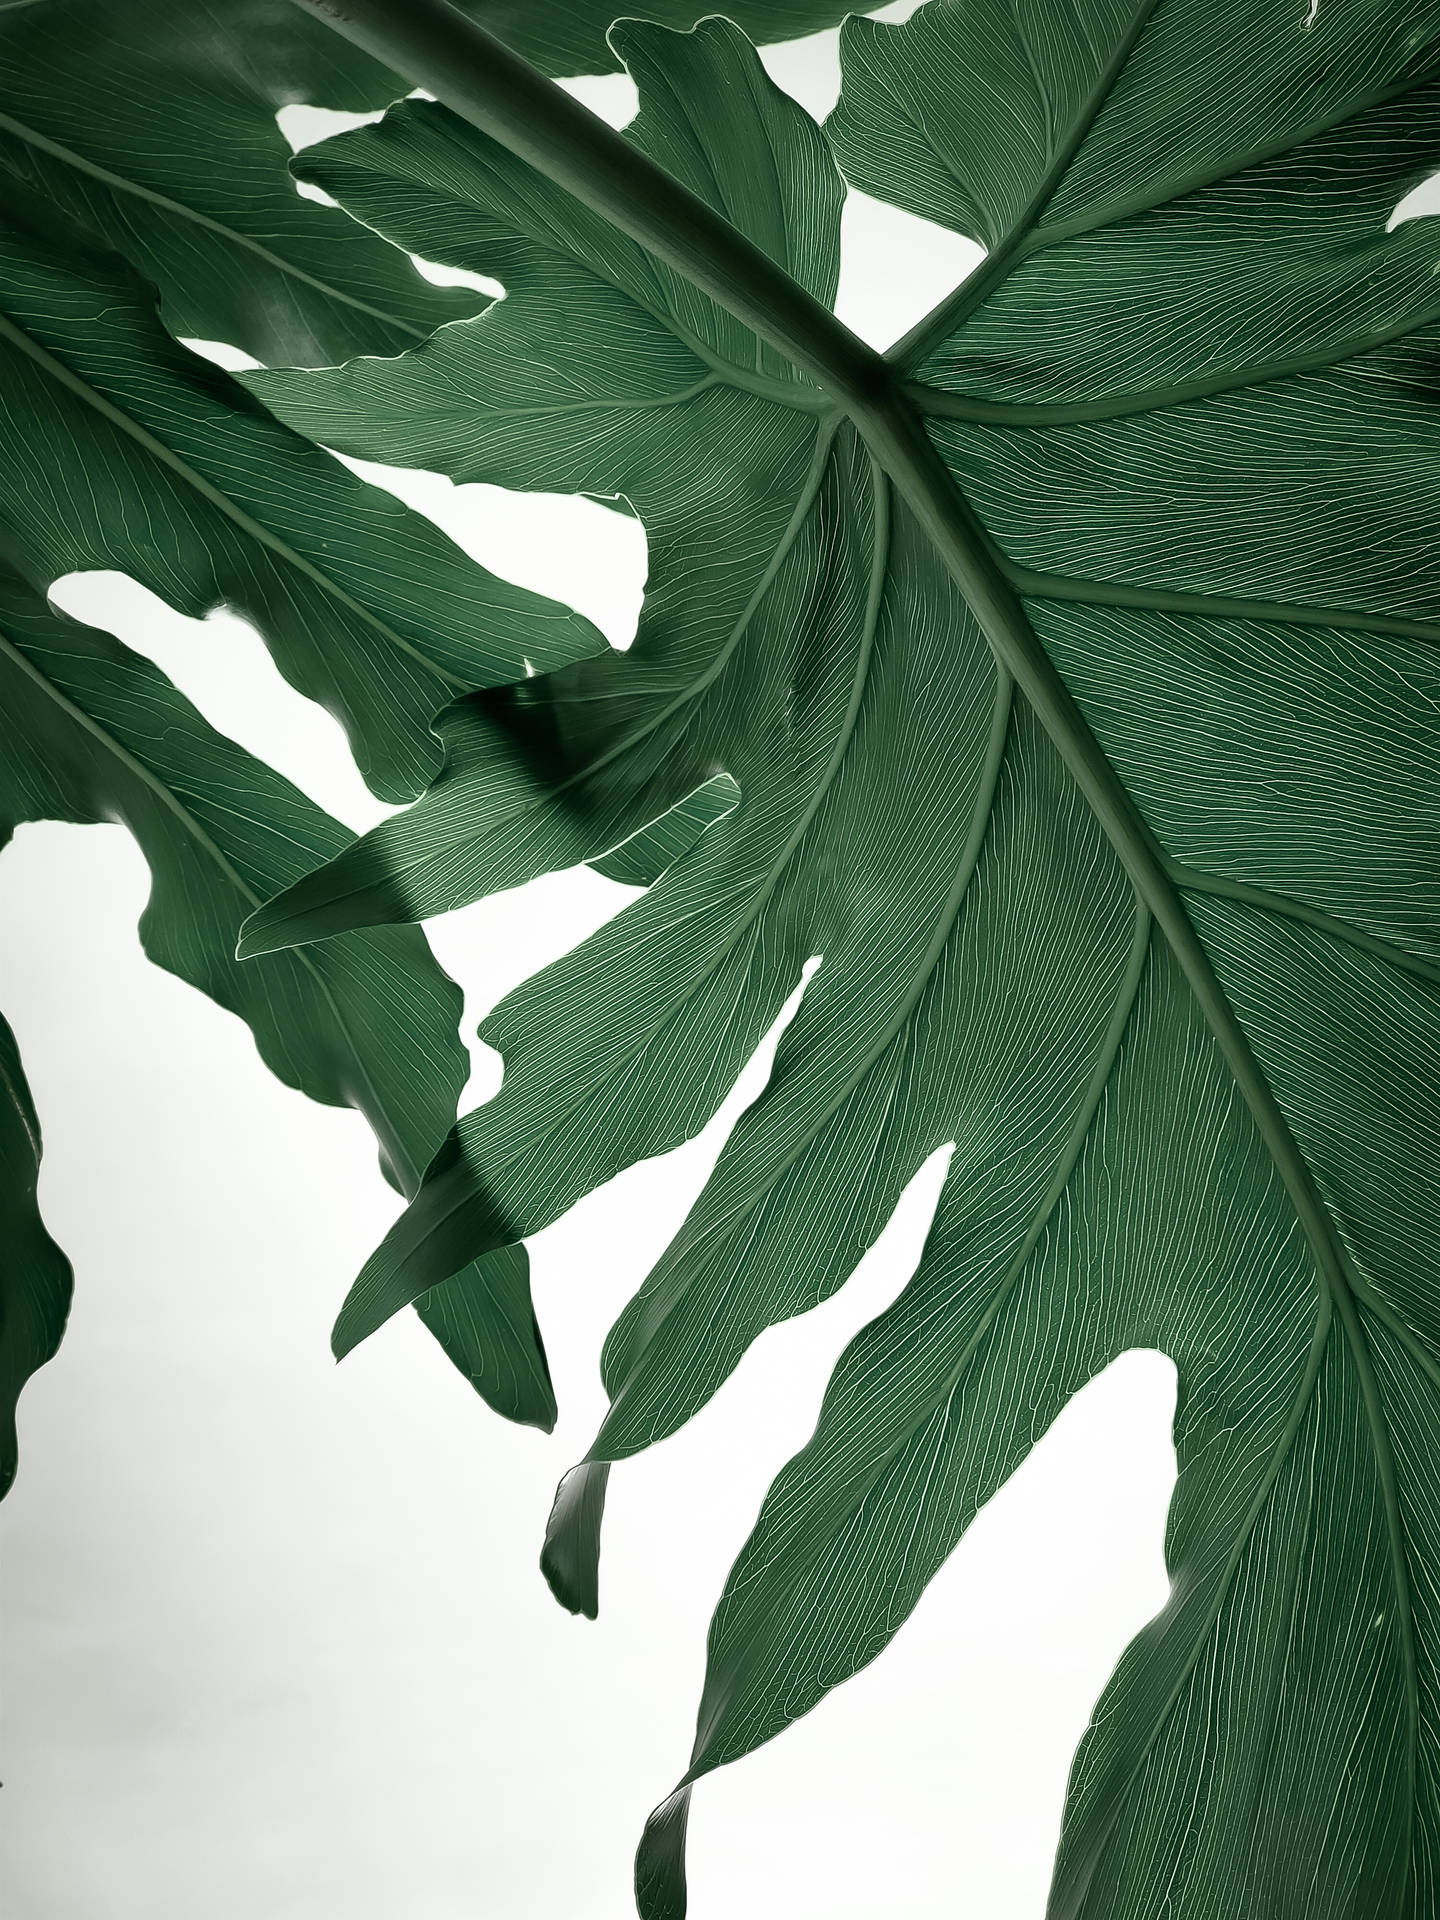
{"x": 1191, "y": 398}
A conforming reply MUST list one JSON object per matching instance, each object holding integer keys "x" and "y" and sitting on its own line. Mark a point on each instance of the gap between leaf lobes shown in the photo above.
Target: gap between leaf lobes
{"x": 440, "y": 52}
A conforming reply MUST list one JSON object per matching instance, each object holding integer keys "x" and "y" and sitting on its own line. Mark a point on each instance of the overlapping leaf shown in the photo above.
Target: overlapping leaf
{"x": 123, "y": 450}
{"x": 569, "y": 36}
{"x": 91, "y": 732}
{"x": 154, "y": 122}
{"x": 1192, "y": 398}
{"x": 119, "y": 448}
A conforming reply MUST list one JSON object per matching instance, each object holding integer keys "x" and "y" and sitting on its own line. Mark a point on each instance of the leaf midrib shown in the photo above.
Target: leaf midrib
{"x": 1313, "y": 1214}
{"x": 946, "y": 403}
{"x": 1239, "y": 160}
{"x": 940, "y": 505}
{"x": 912, "y": 348}
{"x": 1029, "y": 237}
{"x": 1197, "y": 880}
{"x": 1211, "y": 606}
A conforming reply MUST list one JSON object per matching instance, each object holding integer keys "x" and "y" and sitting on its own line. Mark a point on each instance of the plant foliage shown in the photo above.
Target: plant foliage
{"x": 153, "y": 121}
{"x": 1085, "y": 733}
{"x": 140, "y": 160}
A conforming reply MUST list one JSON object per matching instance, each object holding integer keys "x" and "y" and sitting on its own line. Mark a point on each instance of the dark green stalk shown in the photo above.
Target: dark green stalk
{"x": 477, "y": 76}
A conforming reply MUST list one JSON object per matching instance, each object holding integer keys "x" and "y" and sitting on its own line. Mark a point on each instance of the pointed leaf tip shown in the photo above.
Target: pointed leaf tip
{"x": 273, "y": 929}
{"x": 354, "y": 1324}
{"x": 256, "y": 938}
{"x": 660, "y": 1891}
{"x": 570, "y": 1557}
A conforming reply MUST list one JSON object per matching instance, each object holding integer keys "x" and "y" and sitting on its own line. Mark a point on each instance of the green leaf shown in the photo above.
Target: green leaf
{"x": 484, "y": 1320}
{"x": 121, "y": 449}
{"x": 35, "y": 1279}
{"x": 154, "y": 122}
{"x": 92, "y": 732}
{"x": 209, "y": 212}
{"x": 1153, "y": 945}
{"x": 570, "y": 36}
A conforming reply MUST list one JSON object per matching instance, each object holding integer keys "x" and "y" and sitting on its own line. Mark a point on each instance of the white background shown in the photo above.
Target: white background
{"x": 276, "y": 1646}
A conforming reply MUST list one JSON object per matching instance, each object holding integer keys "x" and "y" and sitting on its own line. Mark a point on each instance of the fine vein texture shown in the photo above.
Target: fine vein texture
{"x": 570, "y": 36}
{"x": 1190, "y": 400}
{"x": 91, "y": 732}
{"x": 153, "y": 121}
{"x": 35, "y": 1278}
{"x": 120, "y": 449}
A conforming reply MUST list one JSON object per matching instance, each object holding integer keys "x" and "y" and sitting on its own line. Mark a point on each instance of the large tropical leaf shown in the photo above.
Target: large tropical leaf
{"x": 35, "y": 1277}
{"x": 154, "y": 122}
{"x": 123, "y": 450}
{"x": 90, "y": 731}
{"x": 1170, "y": 988}
{"x": 118, "y": 448}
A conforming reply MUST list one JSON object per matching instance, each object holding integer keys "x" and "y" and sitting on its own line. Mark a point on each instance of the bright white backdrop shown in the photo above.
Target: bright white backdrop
{"x": 276, "y": 1647}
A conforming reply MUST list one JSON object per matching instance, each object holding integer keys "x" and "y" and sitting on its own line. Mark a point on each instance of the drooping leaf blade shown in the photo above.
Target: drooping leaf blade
{"x": 91, "y": 731}
{"x": 1221, "y": 540}
{"x": 121, "y": 449}
{"x": 35, "y": 1278}
{"x": 485, "y": 1320}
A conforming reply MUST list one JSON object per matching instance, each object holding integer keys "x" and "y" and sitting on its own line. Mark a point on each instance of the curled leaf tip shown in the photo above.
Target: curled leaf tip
{"x": 570, "y": 1557}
